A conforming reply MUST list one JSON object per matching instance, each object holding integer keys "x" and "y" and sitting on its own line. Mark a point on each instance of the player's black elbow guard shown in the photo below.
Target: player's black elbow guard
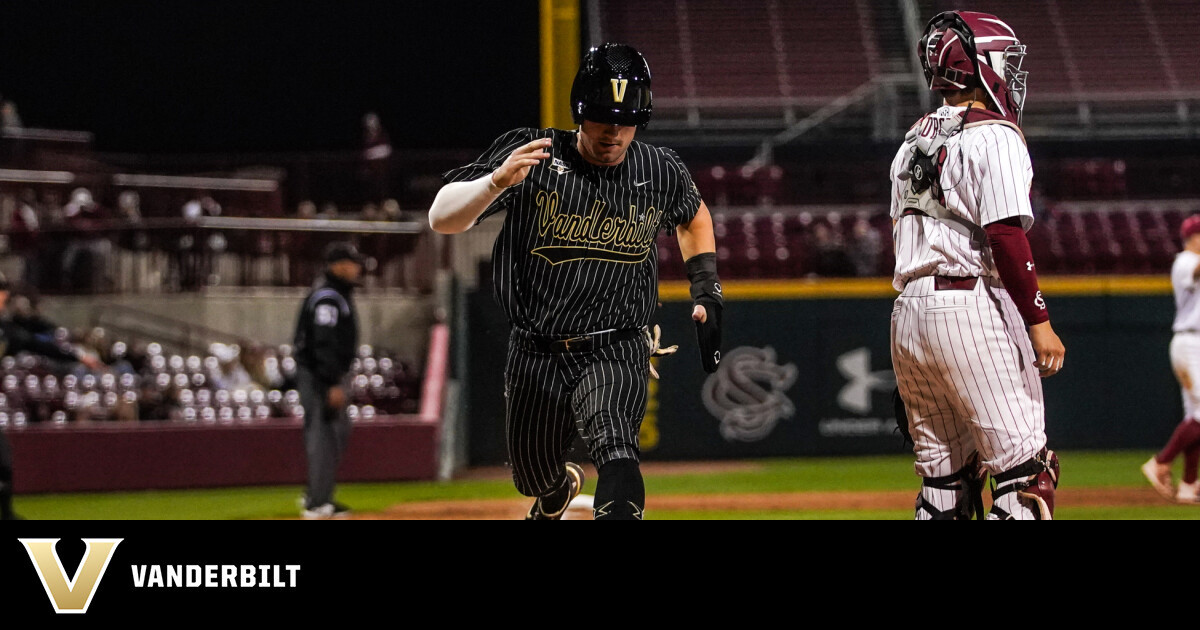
{"x": 706, "y": 291}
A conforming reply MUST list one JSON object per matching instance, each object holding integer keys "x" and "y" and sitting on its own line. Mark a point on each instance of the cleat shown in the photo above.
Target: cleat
{"x": 326, "y": 512}
{"x": 575, "y": 481}
{"x": 1188, "y": 493}
{"x": 1159, "y": 476}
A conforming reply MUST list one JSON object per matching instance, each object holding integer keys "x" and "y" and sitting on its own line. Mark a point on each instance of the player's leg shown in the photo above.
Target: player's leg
{"x": 609, "y": 401}
{"x": 943, "y": 446}
{"x": 320, "y": 446}
{"x": 1185, "y": 362}
{"x": 6, "y": 479}
{"x": 1002, "y": 393}
{"x": 539, "y": 429}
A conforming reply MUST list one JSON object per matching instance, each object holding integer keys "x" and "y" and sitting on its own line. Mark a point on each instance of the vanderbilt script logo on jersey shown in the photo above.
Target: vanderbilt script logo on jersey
{"x": 622, "y": 239}
{"x": 70, "y": 595}
{"x": 748, "y": 393}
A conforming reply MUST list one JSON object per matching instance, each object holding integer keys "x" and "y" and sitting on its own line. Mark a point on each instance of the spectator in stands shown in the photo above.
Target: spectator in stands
{"x": 377, "y": 154}
{"x": 371, "y": 212}
{"x": 391, "y": 211}
{"x": 832, "y": 259}
{"x": 89, "y": 250}
{"x": 229, "y": 374}
{"x": 306, "y": 210}
{"x": 329, "y": 210}
{"x": 13, "y": 340}
{"x": 9, "y": 118}
{"x": 129, "y": 206}
{"x": 129, "y": 211}
{"x": 864, "y": 248}
{"x": 23, "y": 226}
{"x": 201, "y": 205}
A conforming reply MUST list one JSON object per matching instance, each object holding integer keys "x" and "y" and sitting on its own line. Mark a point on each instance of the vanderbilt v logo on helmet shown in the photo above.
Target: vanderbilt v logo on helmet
{"x": 619, "y": 86}
{"x": 70, "y": 595}
{"x": 612, "y": 87}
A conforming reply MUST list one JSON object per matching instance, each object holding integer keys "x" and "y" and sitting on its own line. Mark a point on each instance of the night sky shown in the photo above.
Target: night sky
{"x": 192, "y": 76}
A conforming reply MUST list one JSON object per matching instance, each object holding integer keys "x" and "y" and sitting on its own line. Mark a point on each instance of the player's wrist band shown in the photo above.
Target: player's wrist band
{"x": 702, "y": 273}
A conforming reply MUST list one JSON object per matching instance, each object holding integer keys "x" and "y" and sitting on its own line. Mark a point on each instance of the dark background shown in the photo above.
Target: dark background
{"x": 220, "y": 76}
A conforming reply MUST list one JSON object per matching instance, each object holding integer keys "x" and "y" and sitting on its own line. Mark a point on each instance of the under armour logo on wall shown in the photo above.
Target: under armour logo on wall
{"x": 856, "y": 367}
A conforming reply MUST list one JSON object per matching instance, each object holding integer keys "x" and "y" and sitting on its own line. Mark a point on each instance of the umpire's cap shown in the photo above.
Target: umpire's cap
{"x": 343, "y": 250}
{"x": 613, "y": 87}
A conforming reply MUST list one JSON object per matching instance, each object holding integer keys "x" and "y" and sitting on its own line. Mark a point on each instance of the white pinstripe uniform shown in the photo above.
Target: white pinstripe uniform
{"x": 963, "y": 359}
{"x": 577, "y": 256}
{"x": 1185, "y": 345}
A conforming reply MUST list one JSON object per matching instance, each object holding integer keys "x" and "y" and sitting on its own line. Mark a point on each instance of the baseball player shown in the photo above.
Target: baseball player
{"x": 576, "y": 272}
{"x": 1185, "y": 360}
{"x": 970, "y": 331}
{"x": 325, "y": 342}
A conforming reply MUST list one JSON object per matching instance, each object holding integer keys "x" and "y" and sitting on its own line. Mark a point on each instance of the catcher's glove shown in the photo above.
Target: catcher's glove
{"x": 654, "y": 340}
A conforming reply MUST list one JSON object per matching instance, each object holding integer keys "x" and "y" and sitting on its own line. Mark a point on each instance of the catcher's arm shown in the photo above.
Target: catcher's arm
{"x": 699, "y": 246}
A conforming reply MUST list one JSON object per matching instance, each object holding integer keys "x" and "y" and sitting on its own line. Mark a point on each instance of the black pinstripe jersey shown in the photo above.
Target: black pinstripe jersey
{"x": 577, "y": 251}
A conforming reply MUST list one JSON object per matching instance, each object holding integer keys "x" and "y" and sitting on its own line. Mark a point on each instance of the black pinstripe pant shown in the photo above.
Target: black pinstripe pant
{"x": 601, "y": 394}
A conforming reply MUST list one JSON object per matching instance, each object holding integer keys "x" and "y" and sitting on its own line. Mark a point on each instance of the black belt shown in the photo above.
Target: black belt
{"x": 953, "y": 283}
{"x": 582, "y": 343}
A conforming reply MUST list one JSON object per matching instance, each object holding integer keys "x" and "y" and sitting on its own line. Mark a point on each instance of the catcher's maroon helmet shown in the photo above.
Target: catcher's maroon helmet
{"x": 965, "y": 49}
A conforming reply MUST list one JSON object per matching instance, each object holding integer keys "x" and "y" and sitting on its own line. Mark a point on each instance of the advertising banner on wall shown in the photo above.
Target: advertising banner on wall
{"x": 814, "y": 377}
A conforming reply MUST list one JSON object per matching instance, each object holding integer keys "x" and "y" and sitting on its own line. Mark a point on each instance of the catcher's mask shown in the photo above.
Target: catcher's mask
{"x": 964, "y": 49}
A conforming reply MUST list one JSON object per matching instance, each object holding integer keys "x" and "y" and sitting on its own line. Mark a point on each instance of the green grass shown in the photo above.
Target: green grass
{"x": 879, "y": 473}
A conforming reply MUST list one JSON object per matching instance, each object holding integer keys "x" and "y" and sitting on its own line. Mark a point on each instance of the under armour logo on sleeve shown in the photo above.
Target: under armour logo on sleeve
{"x": 1029, "y": 266}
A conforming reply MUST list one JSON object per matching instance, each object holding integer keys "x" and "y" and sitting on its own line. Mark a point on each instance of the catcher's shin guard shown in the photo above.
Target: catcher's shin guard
{"x": 961, "y": 491}
{"x": 1026, "y": 492}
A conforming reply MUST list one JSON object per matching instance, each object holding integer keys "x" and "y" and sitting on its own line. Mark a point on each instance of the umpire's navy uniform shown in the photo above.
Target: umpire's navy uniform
{"x": 325, "y": 344}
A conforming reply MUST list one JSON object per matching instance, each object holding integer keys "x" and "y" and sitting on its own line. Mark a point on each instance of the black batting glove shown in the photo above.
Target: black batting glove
{"x": 706, "y": 292}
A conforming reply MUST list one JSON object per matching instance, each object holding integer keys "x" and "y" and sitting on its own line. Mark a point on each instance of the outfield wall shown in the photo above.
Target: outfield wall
{"x": 807, "y": 371}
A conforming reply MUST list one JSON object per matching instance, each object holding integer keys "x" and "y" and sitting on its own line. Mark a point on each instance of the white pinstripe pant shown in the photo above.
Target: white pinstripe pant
{"x": 964, "y": 366}
{"x": 599, "y": 394}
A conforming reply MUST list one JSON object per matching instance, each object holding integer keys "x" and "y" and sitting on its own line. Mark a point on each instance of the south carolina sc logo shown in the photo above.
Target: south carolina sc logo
{"x": 747, "y": 393}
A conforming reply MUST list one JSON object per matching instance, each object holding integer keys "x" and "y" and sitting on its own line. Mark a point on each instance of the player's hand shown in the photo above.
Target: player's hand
{"x": 514, "y": 169}
{"x": 1048, "y": 349}
{"x": 654, "y": 341}
{"x": 336, "y": 399}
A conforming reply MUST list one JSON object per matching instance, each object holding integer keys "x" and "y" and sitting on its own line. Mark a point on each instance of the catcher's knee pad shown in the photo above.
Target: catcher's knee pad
{"x": 1026, "y": 492}
{"x": 960, "y": 495}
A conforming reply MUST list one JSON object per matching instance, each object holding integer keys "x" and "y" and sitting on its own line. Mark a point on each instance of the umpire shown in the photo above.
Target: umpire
{"x": 325, "y": 343}
{"x": 576, "y": 272}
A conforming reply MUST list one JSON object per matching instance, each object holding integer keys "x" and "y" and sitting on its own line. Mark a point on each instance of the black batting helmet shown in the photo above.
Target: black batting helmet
{"x": 612, "y": 87}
